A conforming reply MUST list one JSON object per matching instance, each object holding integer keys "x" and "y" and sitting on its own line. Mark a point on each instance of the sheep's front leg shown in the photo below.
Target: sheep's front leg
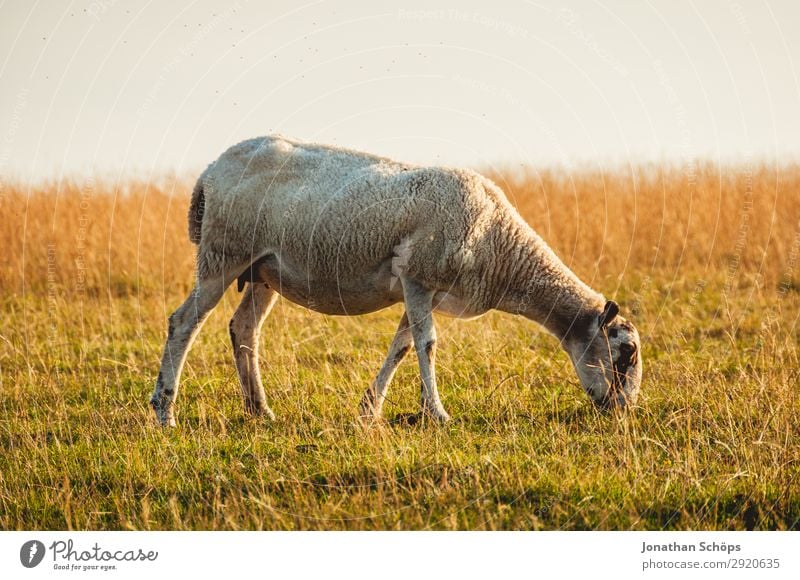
{"x": 245, "y": 326}
{"x": 184, "y": 325}
{"x": 372, "y": 401}
{"x": 419, "y": 307}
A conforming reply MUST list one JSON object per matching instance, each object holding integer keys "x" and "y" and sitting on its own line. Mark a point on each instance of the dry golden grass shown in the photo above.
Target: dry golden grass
{"x": 676, "y": 220}
{"x": 96, "y": 237}
{"x": 105, "y": 237}
{"x": 706, "y": 262}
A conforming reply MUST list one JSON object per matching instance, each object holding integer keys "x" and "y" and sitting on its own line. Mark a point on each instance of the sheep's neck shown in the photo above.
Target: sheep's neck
{"x": 534, "y": 282}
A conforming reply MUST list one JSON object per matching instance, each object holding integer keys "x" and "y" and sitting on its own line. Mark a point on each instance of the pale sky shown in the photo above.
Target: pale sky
{"x": 141, "y": 87}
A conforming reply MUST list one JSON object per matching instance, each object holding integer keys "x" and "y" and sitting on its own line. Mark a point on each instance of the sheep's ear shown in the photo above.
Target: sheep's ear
{"x": 610, "y": 312}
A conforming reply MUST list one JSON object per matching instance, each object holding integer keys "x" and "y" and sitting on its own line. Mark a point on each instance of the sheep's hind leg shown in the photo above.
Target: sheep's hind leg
{"x": 372, "y": 401}
{"x": 244, "y": 328}
{"x": 419, "y": 306}
{"x": 184, "y": 325}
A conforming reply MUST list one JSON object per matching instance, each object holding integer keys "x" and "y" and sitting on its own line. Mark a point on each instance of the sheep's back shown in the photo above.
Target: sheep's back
{"x": 341, "y": 211}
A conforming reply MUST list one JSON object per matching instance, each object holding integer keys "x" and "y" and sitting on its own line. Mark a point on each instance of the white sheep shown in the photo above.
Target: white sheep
{"x": 344, "y": 232}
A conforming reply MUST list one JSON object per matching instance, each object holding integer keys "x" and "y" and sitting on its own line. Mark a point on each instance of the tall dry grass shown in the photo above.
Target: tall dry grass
{"x": 729, "y": 222}
{"x": 95, "y": 237}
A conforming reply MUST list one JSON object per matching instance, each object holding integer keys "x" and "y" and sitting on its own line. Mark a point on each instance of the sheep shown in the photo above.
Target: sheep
{"x": 346, "y": 233}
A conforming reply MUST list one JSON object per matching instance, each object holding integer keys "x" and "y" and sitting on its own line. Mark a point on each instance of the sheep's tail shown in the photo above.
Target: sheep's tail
{"x": 196, "y": 211}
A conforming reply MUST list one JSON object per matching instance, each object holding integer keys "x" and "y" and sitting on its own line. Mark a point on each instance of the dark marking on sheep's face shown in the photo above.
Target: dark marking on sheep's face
{"x": 628, "y": 355}
{"x": 608, "y": 362}
{"x": 623, "y": 346}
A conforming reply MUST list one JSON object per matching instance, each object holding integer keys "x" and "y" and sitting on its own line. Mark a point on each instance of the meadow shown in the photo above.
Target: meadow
{"x": 704, "y": 258}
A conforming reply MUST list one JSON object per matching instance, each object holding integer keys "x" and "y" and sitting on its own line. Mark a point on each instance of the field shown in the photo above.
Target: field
{"x": 705, "y": 259}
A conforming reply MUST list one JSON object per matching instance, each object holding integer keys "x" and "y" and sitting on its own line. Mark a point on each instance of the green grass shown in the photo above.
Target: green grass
{"x": 713, "y": 443}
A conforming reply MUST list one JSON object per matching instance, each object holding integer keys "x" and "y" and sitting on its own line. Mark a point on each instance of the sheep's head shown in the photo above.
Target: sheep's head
{"x": 607, "y": 358}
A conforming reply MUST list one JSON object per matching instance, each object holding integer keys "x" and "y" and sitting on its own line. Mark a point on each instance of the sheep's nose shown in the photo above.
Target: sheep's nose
{"x": 615, "y": 399}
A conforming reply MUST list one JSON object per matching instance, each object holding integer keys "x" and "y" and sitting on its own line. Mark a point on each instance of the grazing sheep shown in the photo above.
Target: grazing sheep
{"x": 344, "y": 232}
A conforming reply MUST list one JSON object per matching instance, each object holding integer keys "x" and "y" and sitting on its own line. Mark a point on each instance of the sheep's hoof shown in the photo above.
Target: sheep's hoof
{"x": 367, "y": 413}
{"x": 435, "y": 414}
{"x": 369, "y": 409}
{"x": 167, "y": 423}
{"x": 260, "y": 411}
{"x": 369, "y": 418}
{"x": 440, "y": 417}
{"x": 165, "y": 416}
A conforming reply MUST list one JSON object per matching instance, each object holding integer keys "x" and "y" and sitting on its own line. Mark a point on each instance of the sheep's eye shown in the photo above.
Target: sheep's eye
{"x": 613, "y": 333}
